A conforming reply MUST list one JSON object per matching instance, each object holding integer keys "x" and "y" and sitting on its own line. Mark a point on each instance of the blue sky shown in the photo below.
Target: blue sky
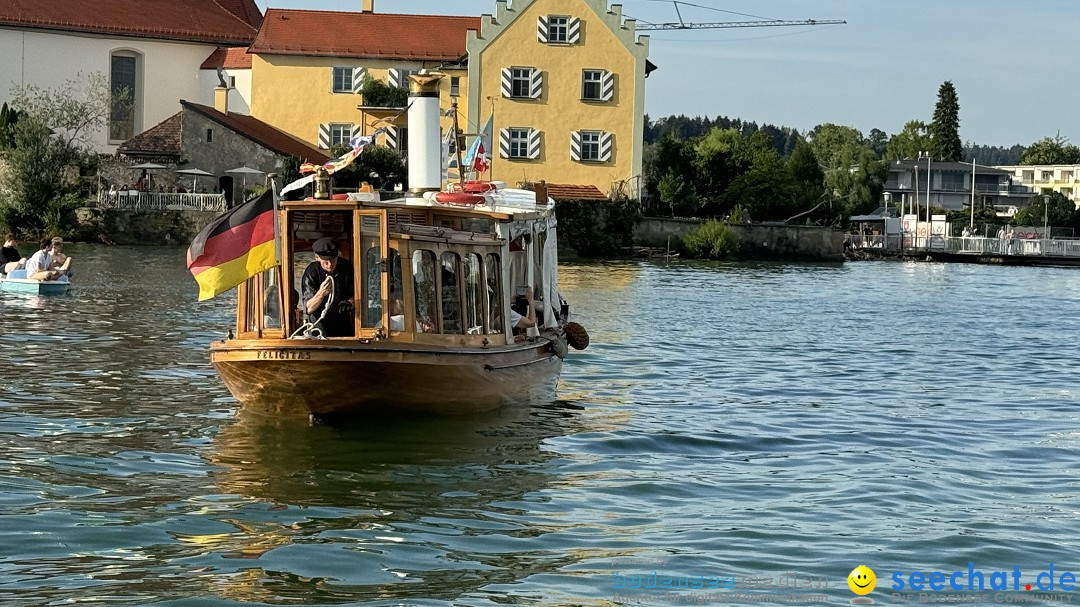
{"x": 1014, "y": 63}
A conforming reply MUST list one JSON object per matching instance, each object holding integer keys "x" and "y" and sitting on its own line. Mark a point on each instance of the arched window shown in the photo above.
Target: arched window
{"x": 474, "y": 294}
{"x": 451, "y": 300}
{"x": 125, "y": 94}
{"x": 493, "y": 272}
{"x": 425, "y": 289}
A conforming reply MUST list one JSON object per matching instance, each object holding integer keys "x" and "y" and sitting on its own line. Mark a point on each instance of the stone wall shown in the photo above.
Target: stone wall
{"x": 141, "y": 227}
{"x": 227, "y": 150}
{"x": 756, "y": 241}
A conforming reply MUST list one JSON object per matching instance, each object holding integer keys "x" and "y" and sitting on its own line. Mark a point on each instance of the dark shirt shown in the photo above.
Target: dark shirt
{"x": 339, "y": 318}
{"x": 10, "y": 254}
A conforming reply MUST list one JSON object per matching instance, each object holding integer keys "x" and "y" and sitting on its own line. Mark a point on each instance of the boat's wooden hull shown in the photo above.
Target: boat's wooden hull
{"x": 34, "y": 287}
{"x": 302, "y": 377}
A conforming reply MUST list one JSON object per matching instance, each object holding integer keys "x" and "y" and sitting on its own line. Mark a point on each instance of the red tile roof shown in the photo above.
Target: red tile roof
{"x": 160, "y": 140}
{"x": 364, "y": 35}
{"x": 562, "y": 191}
{"x": 261, "y": 133}
{"x": 234, "y": 58}
{"x": 246, "y": 10}
{"x": 213, "y": 21}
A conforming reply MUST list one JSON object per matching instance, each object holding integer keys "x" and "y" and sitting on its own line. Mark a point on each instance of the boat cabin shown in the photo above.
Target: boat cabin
{"x": 424, "y": 273}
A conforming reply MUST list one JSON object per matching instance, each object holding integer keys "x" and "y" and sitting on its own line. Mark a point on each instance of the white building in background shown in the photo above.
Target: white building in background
{"x": 1046, "y": 178}
{"x": 156, "y": 53}
{"x": 235, "y": 66}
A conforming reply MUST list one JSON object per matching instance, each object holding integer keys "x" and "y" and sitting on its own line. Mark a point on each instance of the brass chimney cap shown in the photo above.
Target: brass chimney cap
{"x": 425, "y": 83}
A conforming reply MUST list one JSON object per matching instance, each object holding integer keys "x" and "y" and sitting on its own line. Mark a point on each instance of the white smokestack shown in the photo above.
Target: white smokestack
{"x": 425, "y": 155}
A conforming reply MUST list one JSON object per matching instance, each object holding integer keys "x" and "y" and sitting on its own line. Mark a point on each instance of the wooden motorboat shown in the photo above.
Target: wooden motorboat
{"x": 17, "y": 282}
{"x": 433, "y": 288}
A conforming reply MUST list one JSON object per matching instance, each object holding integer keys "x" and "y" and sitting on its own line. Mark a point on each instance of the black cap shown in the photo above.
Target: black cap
{"x": 325, "y": 247}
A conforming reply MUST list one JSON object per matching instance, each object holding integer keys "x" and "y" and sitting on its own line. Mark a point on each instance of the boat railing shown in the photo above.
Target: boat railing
{"x": 134, "y": 200}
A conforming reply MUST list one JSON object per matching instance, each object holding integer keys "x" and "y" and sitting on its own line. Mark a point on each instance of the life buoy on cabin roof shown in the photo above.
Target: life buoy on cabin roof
{"x": 472, "y": 187}
{"x": 458, "y": 198}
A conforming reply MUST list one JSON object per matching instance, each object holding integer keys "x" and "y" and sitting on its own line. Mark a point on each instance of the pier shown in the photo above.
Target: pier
{"x": 969, "y": 249}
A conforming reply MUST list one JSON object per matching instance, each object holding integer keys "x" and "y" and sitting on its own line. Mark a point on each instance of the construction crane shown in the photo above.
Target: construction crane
{"x": 682, "y": 25}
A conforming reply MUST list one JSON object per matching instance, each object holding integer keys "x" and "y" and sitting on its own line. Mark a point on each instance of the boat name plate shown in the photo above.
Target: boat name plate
{"x": 284, "y": 354}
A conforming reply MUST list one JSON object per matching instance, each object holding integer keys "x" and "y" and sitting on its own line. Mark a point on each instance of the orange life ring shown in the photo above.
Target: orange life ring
{"x": 458, "y": 198}
{"x": 472, "y": 187}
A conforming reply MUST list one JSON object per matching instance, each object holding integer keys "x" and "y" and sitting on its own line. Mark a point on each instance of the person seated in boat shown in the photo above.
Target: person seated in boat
{"x": 10, "y": 259}
{"x": 43, "y": 264}
{"x": 525, "y": 315}
{"x": 328, "y": 287}
{"x": 59, "y": 259}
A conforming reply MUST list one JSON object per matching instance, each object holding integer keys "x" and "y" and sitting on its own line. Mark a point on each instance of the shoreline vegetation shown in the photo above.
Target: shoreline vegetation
{"x": 725, "y": 173}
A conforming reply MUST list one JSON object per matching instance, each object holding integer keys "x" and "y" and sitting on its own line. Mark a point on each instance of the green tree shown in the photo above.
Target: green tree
{"x": 38, "y": 184}
{"x": 910, "y": 142}
{"x": 380, "y": 166}
{"x": 878, "y": 141}
{"x": 1053, "y": 209}
{"x": 945, "y": 127}
{"x": 836, "y": 145}
{"x": 768, "y": 191}
{"x": 377, "y": 93}
{"x": 858, "y": 186}
{"x": 671, "y": 160}
{"x": 9, "y": 117}
{"x": 52, "y": 139}
{"x": 75, "y": 110}
{"x": 1051, "y": 151}
{"x": 809, "y": 178}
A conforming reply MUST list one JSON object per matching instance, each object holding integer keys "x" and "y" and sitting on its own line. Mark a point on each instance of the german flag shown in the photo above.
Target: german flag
{"x": 234, "y": 247}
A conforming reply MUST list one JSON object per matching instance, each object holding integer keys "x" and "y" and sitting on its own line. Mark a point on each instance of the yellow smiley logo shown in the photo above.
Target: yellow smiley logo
{"x": 862, "y": 580}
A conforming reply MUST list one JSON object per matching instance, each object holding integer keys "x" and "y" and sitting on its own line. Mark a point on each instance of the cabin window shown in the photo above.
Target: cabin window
{"x": 250, "y": 317}
{"x": 271, "y": 300}
{"x": 495, "y": 292}
{"x": 474, "y": 294}
{"x": 397, "y": 293}
{"x": 425, "y": 290}
{"x": 371, "y": 290}
{"x": 451, "y": 299}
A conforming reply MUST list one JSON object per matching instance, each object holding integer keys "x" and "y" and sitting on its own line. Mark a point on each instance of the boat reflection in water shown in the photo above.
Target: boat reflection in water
{"x": 432, "y": 507}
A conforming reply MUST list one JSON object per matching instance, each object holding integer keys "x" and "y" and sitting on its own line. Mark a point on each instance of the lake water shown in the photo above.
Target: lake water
{"x": 729, "y": 423}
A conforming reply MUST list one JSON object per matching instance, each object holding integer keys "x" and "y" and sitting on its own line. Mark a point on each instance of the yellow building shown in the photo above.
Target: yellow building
{"x": 308, "y": 66}
{"x": 565, "y": 83}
